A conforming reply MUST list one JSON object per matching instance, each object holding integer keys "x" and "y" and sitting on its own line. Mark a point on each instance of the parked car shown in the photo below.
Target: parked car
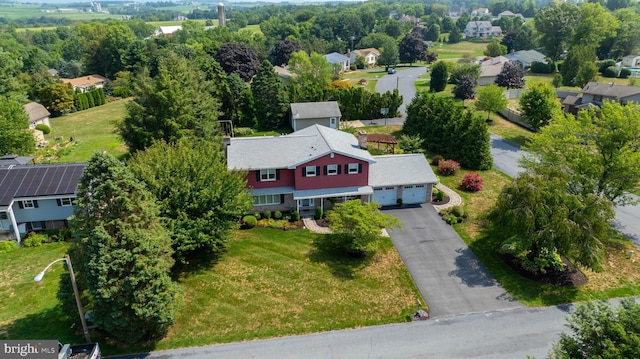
{"x": 391, "y": 71}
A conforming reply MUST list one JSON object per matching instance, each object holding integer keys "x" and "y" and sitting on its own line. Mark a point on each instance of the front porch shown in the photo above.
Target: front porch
{"x": 308, "y": 200}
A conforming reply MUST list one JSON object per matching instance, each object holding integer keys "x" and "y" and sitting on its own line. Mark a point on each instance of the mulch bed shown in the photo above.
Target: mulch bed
{"x": 435, "y": 201}
{"x": 322, "y": 223}
{"x": 571, "y": 276}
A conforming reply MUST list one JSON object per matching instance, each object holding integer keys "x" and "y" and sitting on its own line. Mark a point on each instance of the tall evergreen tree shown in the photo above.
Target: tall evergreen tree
{"x": 439, "y": 77}
{"x": 125, "y": 252}
{"x": 175, "y": 104}
{"x": 271, "y": 99}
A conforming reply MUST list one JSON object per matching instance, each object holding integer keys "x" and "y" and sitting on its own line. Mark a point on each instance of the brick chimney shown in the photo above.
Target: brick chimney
{"x": 362, "y": 139}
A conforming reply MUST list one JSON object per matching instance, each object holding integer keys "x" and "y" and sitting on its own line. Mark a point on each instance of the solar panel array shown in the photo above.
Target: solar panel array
{"x": 38, "y": 181}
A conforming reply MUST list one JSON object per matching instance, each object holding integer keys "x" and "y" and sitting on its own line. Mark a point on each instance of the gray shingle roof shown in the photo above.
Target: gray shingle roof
{"x": 38, "y": 181}
{"x": 289, "y": 151}
{"x": 14, "y": 160}
{"x": 36, "y": 111}
{"x": 610, "y": 90}
{"x": 526, "y": 56}
{"x": 394, "y": 170}
{"x": 303, "y": 110}
{"x": 335, "y": 58}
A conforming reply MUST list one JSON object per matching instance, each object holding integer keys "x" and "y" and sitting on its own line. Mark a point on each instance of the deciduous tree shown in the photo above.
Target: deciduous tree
{"x": 600, "y": 330}
{"x": 412, "y": 48}
{"x": 465, "y": 89}
{"x": 311, "y": 76}
{"x": 200, "y": 199}
{"x": 491, "y": 99}
{"x": 511, "y": 76}
{"x": 555, "y": 24}
{"x": 280, "y": 53}
{"x": 15, "y": 136}
{"x": 599, "y": 150}
{"x": 57, "y": 98}
{"x": 357, "y": 226}
{"x": 495, "y": 49}
{"x": 239, "y": 59}
{"x": 125, "y": 253}
{"x": 539, "y": 105}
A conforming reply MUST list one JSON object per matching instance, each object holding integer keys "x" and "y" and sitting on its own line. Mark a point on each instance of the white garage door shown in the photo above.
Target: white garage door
{"x": 385, "y": 196}
{"x": 414, "y": 194}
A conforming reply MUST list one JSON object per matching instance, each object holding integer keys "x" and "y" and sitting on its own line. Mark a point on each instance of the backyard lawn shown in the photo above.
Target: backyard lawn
{"x": 454, "y": 51}
{"x": 92, "y": 130}
{"x": 269, "y": 283}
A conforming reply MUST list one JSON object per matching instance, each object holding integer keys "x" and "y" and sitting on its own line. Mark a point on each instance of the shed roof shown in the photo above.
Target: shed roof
{"x": 14, "y": 160}
{"x": 39, "y": 181}
{"x": 304, "y": 110}
{"x": 36, "y": 111}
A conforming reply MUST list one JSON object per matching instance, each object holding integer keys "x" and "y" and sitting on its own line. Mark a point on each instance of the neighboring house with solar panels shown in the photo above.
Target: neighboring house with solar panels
{"x": 36, "y": 197}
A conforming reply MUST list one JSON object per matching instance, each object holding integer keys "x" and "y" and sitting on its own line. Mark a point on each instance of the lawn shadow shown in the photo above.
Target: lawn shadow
{"x": 196, "y": 263}
{"x": 470, "y": 271}
{"x": 342, "y": 265}
{"x": 49, "y": 323}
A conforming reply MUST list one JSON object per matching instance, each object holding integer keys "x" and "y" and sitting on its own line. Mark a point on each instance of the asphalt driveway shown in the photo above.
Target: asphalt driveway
{"x": 449, "y": 276}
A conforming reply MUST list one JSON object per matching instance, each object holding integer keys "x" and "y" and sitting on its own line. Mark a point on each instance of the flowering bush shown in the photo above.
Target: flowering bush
{"x": 448, "y": 167}
{"x": 472, "y": 182}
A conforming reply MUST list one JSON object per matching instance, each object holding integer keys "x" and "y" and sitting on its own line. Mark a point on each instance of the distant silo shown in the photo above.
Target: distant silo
{"x": 221, "y": 17}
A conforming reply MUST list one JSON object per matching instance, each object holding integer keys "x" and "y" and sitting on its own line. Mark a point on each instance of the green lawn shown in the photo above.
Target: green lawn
{"x": 30, "y": 310}
{"x": 92, "y": 130}
{"x": 450, "y": 51}
{"x": 269, "y": 283}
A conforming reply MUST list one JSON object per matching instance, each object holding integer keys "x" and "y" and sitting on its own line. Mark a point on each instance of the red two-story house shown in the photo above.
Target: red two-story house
{"x": 319, "y": 166}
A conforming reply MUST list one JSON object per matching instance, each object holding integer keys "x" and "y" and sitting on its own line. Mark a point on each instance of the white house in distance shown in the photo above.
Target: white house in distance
{"x": 85, "y": 83}
{"x": 306, "y": 114}
{"x": 370, "y": 55}
{"x": 480, "y": 12}
{"x": 631, "y": 61}
{"x": 481, "y": 29}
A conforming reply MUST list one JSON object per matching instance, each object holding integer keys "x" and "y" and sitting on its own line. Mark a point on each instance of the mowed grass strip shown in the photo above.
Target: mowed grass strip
{"x": 30, "y": 310}
{"x": 92, "y": 130}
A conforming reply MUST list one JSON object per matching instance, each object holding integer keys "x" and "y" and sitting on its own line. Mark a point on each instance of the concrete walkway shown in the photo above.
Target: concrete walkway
{"x": 310, "y": 224}
{"x": 454, "y": 198}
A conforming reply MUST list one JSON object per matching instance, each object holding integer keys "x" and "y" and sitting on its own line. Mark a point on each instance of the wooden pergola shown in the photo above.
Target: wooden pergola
{"x": 382, "y": 138}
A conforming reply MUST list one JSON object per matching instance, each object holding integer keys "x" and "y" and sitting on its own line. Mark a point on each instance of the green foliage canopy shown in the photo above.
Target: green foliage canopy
{"x": 15, "y": 136}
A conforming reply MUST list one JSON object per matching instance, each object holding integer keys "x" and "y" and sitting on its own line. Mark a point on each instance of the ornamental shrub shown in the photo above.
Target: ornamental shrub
{"x": 249, "y": 221}
{"x": 448, "y": 167}
{"x": 542, "y": 68}
{"x": 603, "y": 65}
{"x": 277, "y": 215}
{"x": 440, "y": 196}
{"x": 8, "y": 246}
{"x": 44, "y": 128}
{"x": 610, "y": 72}
{"x": 457, "y": 211}
{"x": 243, "y": 131}
{"x": 36, "y": 240}
{"x": 257, "y": 215}
{"x": 296, "y": 216}
{"x": 472, "y": 182}
{"x": 625, "y": 73}
{"x": 266, "y": 214}
{"x": 318, "y": 213}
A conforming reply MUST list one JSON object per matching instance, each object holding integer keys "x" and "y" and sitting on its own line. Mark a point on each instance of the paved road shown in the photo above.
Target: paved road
{"x": 494, "y": 335}
{"x": 404, "y": 80}
{"x": 449, "y": 276}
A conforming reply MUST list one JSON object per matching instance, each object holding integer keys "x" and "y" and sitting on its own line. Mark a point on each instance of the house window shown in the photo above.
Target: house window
{"x": 28, "y": 204}
{"x": 3, "y": 215}
{"x": 332, "y": 170}
{"x": 36, "y": 226}
{"x": 65, "y": 202}
{"x": 353, "y": 168}
{"x": 266, "y": 199}
{"x": 597, "y": 98}
{"x": 311, "y": 171}
{"x": 267, "y": 175}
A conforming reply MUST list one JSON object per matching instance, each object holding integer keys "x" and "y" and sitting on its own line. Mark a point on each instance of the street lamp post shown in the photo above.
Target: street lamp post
{"x": 75, "y": 292}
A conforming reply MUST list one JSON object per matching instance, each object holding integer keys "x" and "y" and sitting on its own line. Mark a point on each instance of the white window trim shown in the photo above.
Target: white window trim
{"x": 66, "y": 202}
{"x": 332, "y": 170}
{"x": 352, "y": 168}
{"x": 28, "y": 204}
{"x": 266, "y": 199}
{"x": 310, "y": 171}
{"x": 265, "y": 175}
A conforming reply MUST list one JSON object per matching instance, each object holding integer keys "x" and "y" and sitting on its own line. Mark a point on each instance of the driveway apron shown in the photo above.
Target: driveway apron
{"x": 449, "y": 276}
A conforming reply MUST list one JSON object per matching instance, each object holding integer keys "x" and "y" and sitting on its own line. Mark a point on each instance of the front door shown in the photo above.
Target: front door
{"x": 333, "y": 122}
{"x": 307, "y": 203}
